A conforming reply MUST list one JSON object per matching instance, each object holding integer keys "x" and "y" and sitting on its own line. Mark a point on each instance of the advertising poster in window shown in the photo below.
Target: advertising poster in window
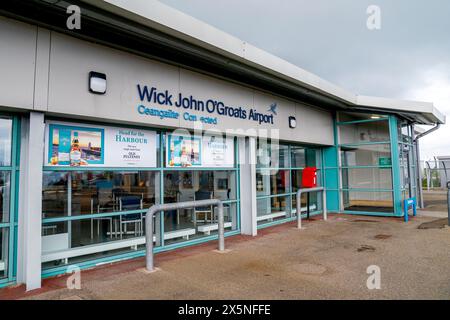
{"x": 192, "y": 151}
{"x": 92, "y": 146}
{"x": 218, "y": 151}
{"x": 183, "y": 151}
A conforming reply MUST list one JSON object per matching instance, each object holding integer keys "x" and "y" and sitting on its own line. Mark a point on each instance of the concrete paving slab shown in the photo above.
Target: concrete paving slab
{"x": 322, "y": 261}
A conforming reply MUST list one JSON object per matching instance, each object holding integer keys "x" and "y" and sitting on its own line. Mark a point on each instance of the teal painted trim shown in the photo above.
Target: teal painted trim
{"x": 273, "y": 196}
{"x": 195, "y": 241}
{"x": 131, "y": 255}
{"x": 90, "y": 216}
{"x": 7, "y": 282}
{"x": 106, "y": 214}
{"x": 7, "y": 168}
{"x": 276, "y": 222}
{"x": 343, "y": 123}
{"x": 286, "y": 220}
{"x": 395, "y": 166}
{"x": 367, "y": 167}
{"x": 201, "y": 169}
{"x": 356, "y": 144}
{"x": 97, "y": 168}
{"x": 4, "y": 225}
{"x": 322, "y": 161}
{"x": 274, "y": 168}
{"x": 238, "y": 182}
{"x": 14, "y": 195}
{"x": 162, "y": 152}
{"x": 366, "y": 190}
{"x": 368, "y": 213}
{"x": 331, "y": 173}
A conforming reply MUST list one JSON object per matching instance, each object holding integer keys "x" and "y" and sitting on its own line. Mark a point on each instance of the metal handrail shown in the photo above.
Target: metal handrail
{"x": 174, "y": 206}
{"x": 299, "y": 204}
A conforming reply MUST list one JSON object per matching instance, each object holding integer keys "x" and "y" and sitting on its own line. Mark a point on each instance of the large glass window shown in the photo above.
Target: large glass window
{"x": 366, "y": 163}
{"x": 93, "y": 213}
{"x": 189, "y": 185}
{"x": 93, "y": 192}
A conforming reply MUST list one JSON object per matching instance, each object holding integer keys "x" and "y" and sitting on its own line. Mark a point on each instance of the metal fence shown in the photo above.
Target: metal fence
{"x": 435, "y": 174}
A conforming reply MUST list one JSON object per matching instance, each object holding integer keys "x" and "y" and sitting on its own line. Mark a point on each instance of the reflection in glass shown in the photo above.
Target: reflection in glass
{"x": 298, "y": 157}
{"x": 377, "y": 131}
{"x": 367, "y": 178}
{"x": 199, "y": 185}
{"x": 368, "y": 201}
{"x": 4, "y": 196}
{"x": 271, "y": 182}
{"x": 94, "y": 192}
{"x": 313, "y": 200}
{"x": 272, "y": 155}
{"x": 366, "y": 155}
{"x": 86, "y": 233}
{"x": 5, "y": 142}
{"x": 273, "y": 208}
{"x": 355, "y": 116}
{"x": 193, "y": 223}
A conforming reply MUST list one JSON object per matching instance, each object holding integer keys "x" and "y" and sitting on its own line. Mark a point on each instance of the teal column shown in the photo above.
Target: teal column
{"x": 331, "y": 173}
{"x": 395, "y": 158}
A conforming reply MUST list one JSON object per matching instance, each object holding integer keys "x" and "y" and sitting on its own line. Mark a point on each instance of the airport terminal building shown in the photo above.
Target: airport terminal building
{"x": 145, "y": 105}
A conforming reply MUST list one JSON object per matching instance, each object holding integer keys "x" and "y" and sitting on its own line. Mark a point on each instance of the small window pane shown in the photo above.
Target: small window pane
{"x": 364, "y": 132}
{"x": 5, "y": 189}
{"x": 272, "y": 155}
{"x": 199, "y": 185}
{"x": 4, "y": 239}
{"x": 366, "y": 155}
{"x": 370, "y": 201}
{"x": 61, "y": 236}
{"x": 194, "y": 223}
{"x": 367, "y": 178}
{"x": 271, "y": 182}
{"x": 298, "y": 157}
{"x": 5, "y": 142}
{"x": 272, "y": 209}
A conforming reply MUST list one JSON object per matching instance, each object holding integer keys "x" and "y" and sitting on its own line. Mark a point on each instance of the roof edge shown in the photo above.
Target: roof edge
{"x": 156, "y": 15}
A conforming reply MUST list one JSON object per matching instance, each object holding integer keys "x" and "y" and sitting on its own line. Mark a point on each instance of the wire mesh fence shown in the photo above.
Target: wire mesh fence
{"x": 435, "y": 173}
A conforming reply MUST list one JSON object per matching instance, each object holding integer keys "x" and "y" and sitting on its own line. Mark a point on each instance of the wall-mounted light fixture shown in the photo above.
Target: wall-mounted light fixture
{"x": 97, "y": 82}
{"x": 292, "y": 122}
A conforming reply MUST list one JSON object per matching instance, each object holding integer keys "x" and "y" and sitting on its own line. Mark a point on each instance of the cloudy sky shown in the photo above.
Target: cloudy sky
{"x": 408, "y": 58}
